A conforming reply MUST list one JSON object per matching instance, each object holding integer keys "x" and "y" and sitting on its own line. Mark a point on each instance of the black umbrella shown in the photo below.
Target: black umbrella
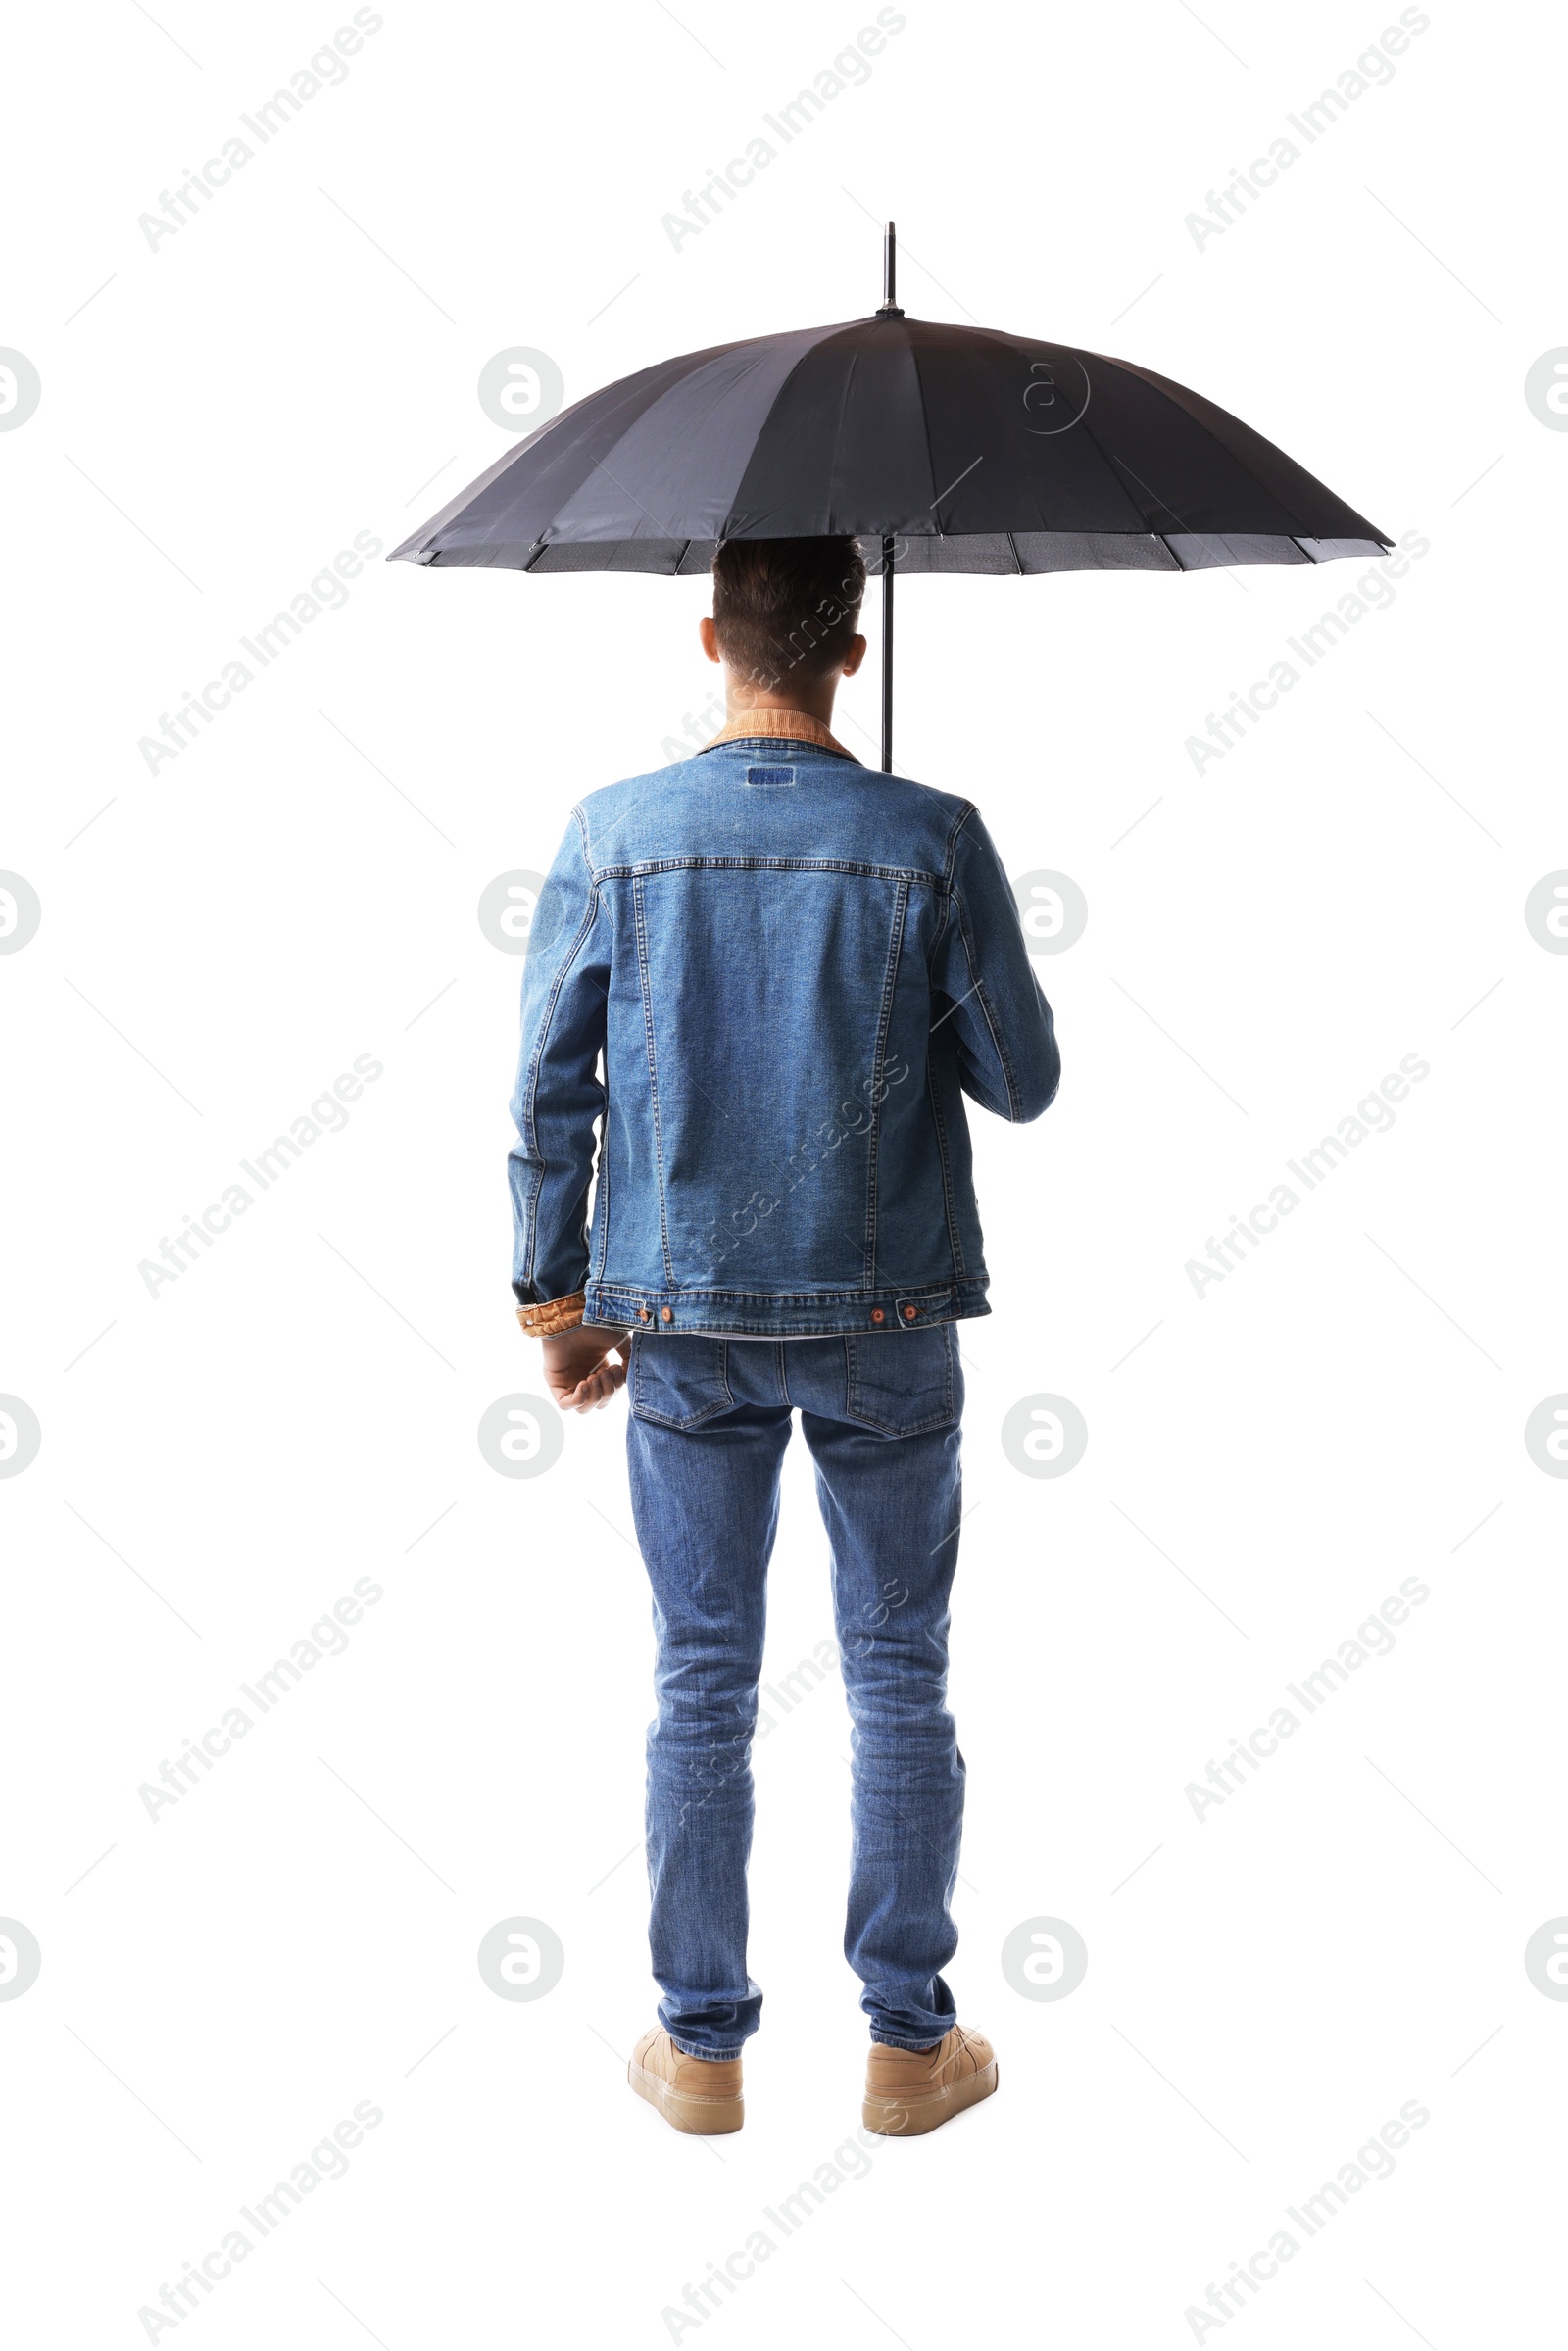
{"x": 945, "y": 448}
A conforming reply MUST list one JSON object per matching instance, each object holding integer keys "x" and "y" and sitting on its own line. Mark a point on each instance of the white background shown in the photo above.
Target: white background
{"x": 221, "y": 1985}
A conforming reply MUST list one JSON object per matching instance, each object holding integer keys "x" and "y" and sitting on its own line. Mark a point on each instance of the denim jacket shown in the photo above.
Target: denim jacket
{"x": 791, "y": 968}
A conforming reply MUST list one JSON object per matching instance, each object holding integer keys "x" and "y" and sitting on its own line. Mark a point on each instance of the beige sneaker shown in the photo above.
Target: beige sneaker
{"x": 700, "y": 2094}
{"x": 911, "y": 2090}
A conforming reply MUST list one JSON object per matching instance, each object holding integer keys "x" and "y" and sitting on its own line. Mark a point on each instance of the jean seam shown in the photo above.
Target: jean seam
{"x": 949, "y": 1198}
{"x": 645, "y": 978}
{"x": 878, "y": 1058}
{"x": 825, "y": 1293}
{"x": 645, "y": 868}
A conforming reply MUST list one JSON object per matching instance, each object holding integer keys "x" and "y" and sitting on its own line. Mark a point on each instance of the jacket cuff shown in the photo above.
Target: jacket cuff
{"x": 557, "y": 1315}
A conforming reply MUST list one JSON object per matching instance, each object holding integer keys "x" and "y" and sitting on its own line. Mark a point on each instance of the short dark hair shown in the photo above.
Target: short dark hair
{"x": 785, "y": 603}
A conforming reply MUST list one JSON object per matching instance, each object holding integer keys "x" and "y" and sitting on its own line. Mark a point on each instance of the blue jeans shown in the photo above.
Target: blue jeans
{"x": 709, "y": 1421}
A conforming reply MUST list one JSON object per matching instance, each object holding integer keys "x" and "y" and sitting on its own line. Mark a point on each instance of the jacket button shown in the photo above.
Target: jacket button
{"x": 643, "y": 1314}
{"x": 909, "y": 1314}
{"x": 668, "y": 1313}
{"x": 877, "y": 1314}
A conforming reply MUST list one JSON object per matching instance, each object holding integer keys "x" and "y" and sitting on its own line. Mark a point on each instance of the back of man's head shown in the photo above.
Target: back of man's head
{"x": 786, "y": 608}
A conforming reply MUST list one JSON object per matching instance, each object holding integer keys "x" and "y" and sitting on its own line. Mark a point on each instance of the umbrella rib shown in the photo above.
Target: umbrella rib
{"x": 925, "y": 430}
{"x": 825, "y": 336}
{"x": 1256, "y": 480}
{"x": 838, "y": 427}
{"x": 1115, "y": 465}
{"x": 1170, "y": 510}
{"x": 677, "y": 373}
{"x": 665, "y": 529}
{"x": 1090, "y": 435}
{"x": 843, "y": 402}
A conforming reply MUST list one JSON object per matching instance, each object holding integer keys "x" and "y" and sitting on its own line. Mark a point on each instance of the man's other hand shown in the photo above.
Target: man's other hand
{"x": 580, "y": 1366}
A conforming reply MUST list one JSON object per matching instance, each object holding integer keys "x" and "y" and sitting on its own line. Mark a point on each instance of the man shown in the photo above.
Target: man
{"x": 794, "y": 969}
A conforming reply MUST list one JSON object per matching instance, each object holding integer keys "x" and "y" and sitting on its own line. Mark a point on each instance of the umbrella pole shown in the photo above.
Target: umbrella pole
{"x": 888, "y": 257}
{"x": 887, "y": 656}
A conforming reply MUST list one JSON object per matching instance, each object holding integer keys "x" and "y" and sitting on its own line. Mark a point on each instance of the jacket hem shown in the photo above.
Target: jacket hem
{"x": 784, "y": 1315}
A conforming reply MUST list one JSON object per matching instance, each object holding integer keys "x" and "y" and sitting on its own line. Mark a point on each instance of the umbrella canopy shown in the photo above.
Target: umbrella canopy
{"x": 978, "y": 451}
{"x": 955, "y": 448}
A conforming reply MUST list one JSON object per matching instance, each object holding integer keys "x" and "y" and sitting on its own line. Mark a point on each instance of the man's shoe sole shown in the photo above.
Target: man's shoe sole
{"x": 924, "y": 2110}
{"x": 704, "y": 2117}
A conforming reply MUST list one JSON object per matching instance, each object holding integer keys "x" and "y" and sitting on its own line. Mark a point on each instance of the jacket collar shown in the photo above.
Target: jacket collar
{"x": 793, "y": 726}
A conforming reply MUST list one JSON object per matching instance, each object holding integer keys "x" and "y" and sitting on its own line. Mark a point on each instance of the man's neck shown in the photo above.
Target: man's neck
{"x": 741, "y": 701}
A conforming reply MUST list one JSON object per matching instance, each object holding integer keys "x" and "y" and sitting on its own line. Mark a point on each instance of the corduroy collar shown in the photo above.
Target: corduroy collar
{"x": 795, "y": 726}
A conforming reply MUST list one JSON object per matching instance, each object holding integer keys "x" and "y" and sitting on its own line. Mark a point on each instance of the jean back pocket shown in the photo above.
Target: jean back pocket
{"x": 680, "y": 1380}
{"x": 902, "y": 1382}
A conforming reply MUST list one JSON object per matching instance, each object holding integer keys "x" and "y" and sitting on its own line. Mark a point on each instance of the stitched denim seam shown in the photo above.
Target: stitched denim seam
{"x": 878, "y": 1062}
{"x": 601, "y": 1196}
{"x": 997, "y": 1044}
{"x": 653, "y": 1075}
{"x": 666, "y": 1420}
{"x": 965, "y": 812}
{"x": 846, "y": 1297}
{"x": 860, "y": 868}
{"x": 825, "y": 1330}
{"x": 997, "y": 1041}
{"x": 949, "y": 1197}
{"x": 802, "y": 743}
{"x": 920, "y": 1428}
{"x": 530, "y": 1091}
